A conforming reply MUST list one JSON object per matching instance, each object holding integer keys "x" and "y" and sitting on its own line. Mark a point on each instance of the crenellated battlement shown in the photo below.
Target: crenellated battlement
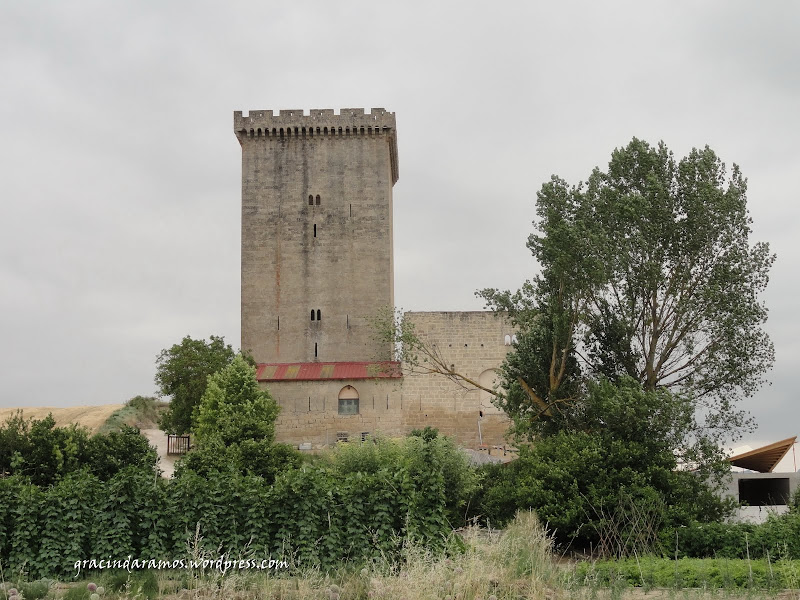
{"x": 320, "y": 122}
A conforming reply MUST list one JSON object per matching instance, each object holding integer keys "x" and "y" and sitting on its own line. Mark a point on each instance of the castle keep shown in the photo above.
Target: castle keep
{"x": 317, "y": 265}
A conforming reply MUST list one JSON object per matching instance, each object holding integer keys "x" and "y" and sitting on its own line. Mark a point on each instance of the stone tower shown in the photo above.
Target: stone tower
{"x": 317, "y": 258}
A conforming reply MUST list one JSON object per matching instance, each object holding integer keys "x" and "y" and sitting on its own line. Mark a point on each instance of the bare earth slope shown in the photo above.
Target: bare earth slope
{"x": 88, "y": 416}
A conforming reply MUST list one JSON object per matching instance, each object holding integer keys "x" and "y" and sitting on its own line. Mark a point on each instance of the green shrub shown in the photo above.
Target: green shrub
{"x": 43, "y": 453}
{"x": 35, "y": 590}
{"x": 459, "y": 479}
{"x": 650, "y": 571}
{"x": 611, "y": 481}
{"x": 78, "y": 592}
{"x": 778, "y": 537}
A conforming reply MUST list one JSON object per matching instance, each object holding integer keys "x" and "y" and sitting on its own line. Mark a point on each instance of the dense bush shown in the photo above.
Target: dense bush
{"x": 320, "y": 515}
{"x": 779, "y": 536}
{"x": 235, "y": 428}
{"x": 650, "y": 571}
{"x": 418, "y": 453}
{"x": 611, "y": 480}
{"x": 44, "y": 453}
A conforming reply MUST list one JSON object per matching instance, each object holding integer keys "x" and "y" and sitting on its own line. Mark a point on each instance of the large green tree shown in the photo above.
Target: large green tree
{"x": 182, "y": 373}
{"x": 234, "y": 427}
{"x": 646, "y": 271}
{"x": 610, "y": 477}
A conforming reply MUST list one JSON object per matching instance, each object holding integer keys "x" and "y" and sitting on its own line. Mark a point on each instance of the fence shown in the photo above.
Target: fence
{"x": 178, "y": 444}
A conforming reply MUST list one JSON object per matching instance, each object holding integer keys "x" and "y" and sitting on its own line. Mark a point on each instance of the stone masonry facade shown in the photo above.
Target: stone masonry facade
{"x": 474, "y": 341}
{"x": 317, "y": 265}
{"x": 316, "y": 232}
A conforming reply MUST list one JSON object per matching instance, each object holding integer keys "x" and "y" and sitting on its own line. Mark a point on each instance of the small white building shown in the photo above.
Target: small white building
{"x": 756, "y": 487}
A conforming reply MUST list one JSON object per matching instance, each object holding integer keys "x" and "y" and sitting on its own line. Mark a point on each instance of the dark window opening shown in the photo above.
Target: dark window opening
{"x": 351, "y": 210}
{"x": 319, "y": 315}
{"x": 342, "y": 436}
{"x": 317, "y": 199}
{"x": 279, "y": 323}
{"x": 312, "y": 314}
{"x": 310, "y": 200}
{"x": 315, "y": 350}
{"x": 315, "y": 230}
{"x": 764, "y": 492}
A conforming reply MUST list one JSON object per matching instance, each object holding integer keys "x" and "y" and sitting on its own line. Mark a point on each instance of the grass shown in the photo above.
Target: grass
{"x": 513, "y": 564}
{"x": 689, "y": 573}
{"x": 140, "y": 411}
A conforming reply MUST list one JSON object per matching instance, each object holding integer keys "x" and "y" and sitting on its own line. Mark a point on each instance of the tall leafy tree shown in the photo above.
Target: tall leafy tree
{"x": 647, "y": 271}
{"x": 234, "y": 408}
{"x": 182, "y": 373}
{"x": 234, "y": 427}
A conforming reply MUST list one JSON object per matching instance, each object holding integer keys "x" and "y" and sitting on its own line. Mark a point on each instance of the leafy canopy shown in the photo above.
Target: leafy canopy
{"x": 234, "y": 408}
{"x": 610, "y": 475}
{"x": 647, "y": 271}
{"x": 235, "y": 427}
{"x": 182, "y": 372}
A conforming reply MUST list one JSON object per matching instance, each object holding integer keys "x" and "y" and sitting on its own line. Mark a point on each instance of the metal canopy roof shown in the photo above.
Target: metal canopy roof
{"x": 765, "y": 458}
{"x": 316, "y": 371}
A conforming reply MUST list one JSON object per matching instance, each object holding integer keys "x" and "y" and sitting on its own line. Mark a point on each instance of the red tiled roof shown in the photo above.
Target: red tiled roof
{"x": 330, "y": 370}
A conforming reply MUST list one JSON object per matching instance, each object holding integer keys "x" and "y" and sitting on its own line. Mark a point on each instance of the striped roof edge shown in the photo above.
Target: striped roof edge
{"x": 763, "y": 459}
{"x": 323, "y": 371}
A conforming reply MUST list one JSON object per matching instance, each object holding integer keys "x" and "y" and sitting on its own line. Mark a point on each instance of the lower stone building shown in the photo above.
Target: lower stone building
{"x": 323, "y": 403}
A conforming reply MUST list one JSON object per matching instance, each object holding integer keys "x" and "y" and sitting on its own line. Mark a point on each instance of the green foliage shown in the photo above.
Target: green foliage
{"x": 182, "y": 372}
{"x": 235, "y": 428}
{"x": 67, "y": 513}
{"x": 794, "y": 501}
{"x": 649, "y": 269}
{"x": 77, "y": 593}
{"x": 427, "y": 434}
{"x": 779, "y": 536}
{"x": 110, "y": 453}
{"x": 140, "y": 411}
{"x": 44, "y": 453}
{"x": 234, "y": 408}
{"x": 40, "y": 450}
{"x": 609, "y": 479}
{"x": 650, "y": 572}
{"x": 35, "y": 590}
{"x": 442, "y": 455}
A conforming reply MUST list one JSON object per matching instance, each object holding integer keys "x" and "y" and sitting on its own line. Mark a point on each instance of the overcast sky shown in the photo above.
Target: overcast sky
{"x": 120, "y": 172}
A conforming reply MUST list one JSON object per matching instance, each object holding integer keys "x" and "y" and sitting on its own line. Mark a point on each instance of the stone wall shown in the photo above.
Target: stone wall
{"x": 474, "y": 341}
{"x": 316, "y": 232}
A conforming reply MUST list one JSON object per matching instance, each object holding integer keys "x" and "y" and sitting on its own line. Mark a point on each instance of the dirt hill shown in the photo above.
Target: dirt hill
{"x": 88, "y": 416}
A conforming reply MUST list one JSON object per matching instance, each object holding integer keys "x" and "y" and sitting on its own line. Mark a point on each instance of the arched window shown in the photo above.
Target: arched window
{"x": 310, "y": 200}
{"x": 319, "y": 315}
{"x": 312, "y": 314}
{"x": 348, "y": 401}
{"x": 317, "y": 199}
{"x": 488, "y": 379}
